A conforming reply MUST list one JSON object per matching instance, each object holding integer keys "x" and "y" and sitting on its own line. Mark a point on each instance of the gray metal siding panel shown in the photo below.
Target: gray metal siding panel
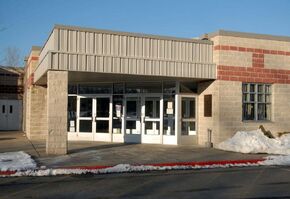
{"x": 111, "y": 53}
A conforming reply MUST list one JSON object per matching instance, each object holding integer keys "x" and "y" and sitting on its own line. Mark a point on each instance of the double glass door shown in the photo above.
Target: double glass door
{"x": 94, "y": 115}
{"x": 142, "y": 117}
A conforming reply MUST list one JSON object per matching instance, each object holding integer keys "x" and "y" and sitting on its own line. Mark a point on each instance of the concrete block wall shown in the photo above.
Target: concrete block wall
{"x": 35, "y": 101}
{"x": 205, "y": 123}
{"x": 227, "y": 111}
{"x": 231, "y": 110}
{"x": 56, "y": 142}
{"x": 37, "y": 115}
{"x": 251, "y": 60}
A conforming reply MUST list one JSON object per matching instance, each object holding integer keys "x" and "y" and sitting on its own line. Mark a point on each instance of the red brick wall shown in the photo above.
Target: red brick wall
{"x": 256, "y": 72}
{"x": 29, "y": 71}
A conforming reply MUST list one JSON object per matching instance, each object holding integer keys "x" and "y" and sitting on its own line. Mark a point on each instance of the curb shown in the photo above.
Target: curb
{"x": 205, "y": 164}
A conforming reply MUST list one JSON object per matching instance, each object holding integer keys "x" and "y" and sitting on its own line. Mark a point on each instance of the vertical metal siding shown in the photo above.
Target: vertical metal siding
{"x": 78, "y": 50}
{"x": 122, "y": 45}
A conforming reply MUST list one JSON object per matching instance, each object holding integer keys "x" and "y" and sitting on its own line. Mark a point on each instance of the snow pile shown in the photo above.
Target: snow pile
{"x": 277, "y": 160}
{"x": 256, "y": 142}
{"x": 16, "y": 161}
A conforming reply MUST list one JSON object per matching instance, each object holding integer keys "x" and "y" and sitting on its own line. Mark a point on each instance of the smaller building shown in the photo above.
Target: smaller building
{"x": 11, "y": 95}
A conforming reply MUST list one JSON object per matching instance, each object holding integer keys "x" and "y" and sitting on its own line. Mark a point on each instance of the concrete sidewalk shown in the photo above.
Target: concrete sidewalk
{"x": 101, "y": 153}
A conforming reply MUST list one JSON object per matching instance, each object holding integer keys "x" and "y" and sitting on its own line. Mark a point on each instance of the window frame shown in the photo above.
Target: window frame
{"x": 257, "y": 93}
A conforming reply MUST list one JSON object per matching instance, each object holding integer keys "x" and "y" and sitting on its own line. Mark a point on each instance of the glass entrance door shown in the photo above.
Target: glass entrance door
{"x": 133, "y": 119}
{"x": 102, "y": 118}
{"x": 151, "y": 119}
{"x": 188, "y": 119}
{"x": 84, "y": 119}
{"x": 85, "y": 116}
{"x": 187, "y": 125}
{"x": 94, "y": 118}
{"x": 152, "y": 116}
{"x": 143, "y": 119}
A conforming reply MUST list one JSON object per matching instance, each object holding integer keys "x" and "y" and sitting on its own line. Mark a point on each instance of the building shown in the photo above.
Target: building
{"x": 11, "y": 95}
{"x": 100, "y": 85}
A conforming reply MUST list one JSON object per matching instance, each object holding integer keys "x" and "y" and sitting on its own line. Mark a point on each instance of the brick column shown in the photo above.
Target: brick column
{"x": 57, "y": 83}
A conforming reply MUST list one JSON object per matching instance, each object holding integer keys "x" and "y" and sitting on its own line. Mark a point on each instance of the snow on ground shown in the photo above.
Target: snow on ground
{"x": 242, "y": 141}
{"x": 16, "y": 161}
{"x": 256, "y": 142}
{"x": 120, "y": 168}
{"x": 277, "y": 160}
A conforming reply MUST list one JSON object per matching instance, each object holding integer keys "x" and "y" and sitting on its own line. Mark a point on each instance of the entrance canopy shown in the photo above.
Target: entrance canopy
{"x": 119, "y": 53}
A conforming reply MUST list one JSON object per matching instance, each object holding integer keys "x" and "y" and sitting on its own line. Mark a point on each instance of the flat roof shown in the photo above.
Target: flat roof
{"x": 58, "y": 26}
{"x": 249, "y": 35}
{"x": 13, "y": 69}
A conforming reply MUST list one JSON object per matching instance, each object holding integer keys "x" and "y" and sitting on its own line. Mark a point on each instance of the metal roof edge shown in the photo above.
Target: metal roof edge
{"x": 58, "y": 26}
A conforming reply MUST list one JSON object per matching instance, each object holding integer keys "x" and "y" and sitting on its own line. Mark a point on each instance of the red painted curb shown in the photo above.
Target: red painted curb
{"x": 193, "y": 164}
{"x": 208, "y": 163}
{"x": 205, "y": 163}
{"x": 7, "y": 173}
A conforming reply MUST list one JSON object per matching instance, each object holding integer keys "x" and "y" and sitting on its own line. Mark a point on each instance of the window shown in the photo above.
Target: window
{"x": 256, "y": 101}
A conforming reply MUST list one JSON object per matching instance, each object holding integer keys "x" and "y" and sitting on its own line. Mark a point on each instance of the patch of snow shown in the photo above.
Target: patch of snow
{"x": 277, "y": 160}
{"x": 121, "y": 168}
{"x": 16, "y": 161}
{"x": 256, "y": 142}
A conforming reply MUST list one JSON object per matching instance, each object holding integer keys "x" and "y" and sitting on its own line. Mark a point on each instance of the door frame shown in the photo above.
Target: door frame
{"x": 142, "y": 137}
{"x": 136, "y": 137}
{"x": 93, "y": 135}
{"x": 151, "y": 138}
{"x": 101, "y": 136}
{"x": 186, "y": 139}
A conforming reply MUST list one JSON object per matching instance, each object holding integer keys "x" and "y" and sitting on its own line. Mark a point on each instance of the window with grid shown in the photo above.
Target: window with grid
{"x": 256, "y": 101}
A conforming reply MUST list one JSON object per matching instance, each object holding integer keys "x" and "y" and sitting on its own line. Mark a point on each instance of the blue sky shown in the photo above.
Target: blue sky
{"x": 24, "y": 23}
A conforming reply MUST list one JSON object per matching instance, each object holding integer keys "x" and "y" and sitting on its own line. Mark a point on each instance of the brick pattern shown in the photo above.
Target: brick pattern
{"x": 253, "y": 74}
{"x": 256, "y": 72}
{"x": 29, "y": 61}
{"x": 35, "y": 102}
{"x": 29, "y": 81}
{"x": 253, "y": 50}
{"x": 258, "y": 60}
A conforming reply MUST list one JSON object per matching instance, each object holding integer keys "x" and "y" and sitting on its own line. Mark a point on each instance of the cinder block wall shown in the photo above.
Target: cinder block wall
{"x": 205, "y": 123}
{"x": 38, "y": 113}
{"x": 241, "y": 60}
{"x": 230, "y": 118}
{"x": 35, "y": 101}
{"x": 56, "y": 142}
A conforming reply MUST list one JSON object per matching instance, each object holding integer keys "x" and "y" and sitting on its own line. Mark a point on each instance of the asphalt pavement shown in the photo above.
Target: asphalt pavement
{"x": 248, "y": 183}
